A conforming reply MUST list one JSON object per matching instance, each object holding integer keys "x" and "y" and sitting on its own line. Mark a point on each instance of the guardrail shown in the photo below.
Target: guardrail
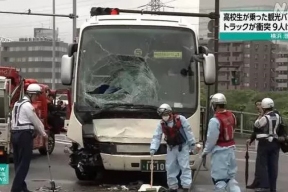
{"x": 245, "y": 121}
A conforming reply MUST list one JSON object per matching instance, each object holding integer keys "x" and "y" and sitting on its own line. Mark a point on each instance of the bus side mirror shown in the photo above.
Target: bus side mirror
{"x": 209, "y": 68}
{"x": 72, "y": 48}
{"x": 67, "y": 69}
{"x": 203, "y": 50}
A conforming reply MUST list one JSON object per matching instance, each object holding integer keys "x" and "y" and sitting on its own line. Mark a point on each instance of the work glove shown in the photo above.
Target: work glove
{"x": 192, "y": 149}
{"x": 152, "y": 152}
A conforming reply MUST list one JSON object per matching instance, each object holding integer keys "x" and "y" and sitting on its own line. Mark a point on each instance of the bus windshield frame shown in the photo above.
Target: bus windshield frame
{"x": 182, "y": 72}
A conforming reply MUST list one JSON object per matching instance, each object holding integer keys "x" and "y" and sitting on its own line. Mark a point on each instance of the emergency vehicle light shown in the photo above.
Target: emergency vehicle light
{"x": 103, "y": 11}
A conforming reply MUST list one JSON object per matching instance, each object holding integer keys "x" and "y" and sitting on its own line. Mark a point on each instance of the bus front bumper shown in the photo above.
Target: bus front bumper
{"x": 141, "y": 163}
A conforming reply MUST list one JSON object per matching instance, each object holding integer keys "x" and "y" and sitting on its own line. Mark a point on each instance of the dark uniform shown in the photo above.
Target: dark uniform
{"x": 252, "y": 139}
{"x": 24, "y": 120}
{"x": 268, "y": 151}
{"x": 256, "y": 178}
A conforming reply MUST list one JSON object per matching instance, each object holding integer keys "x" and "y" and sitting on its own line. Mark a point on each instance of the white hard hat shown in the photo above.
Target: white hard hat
{"x": 164, "y": 109}
{"x": 33, "y": 89}
{"x": 267, "y": 103}
{"x": 218, "y": 98}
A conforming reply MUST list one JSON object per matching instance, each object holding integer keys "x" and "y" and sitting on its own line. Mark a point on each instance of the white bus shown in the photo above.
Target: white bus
{"x": 122, "y": 68}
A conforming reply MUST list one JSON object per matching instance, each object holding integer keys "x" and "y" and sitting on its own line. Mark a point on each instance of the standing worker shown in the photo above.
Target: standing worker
{"x": 180, "y": 141}
{"x": 268, "y": 146}
{"x": 250, "y": 141}
{"x": 220, "y": 143}
{"x": 25, "y": 123}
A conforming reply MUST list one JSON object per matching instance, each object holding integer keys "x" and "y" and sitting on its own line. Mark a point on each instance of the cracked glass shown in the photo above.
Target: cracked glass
{"x": 141, "y": 65}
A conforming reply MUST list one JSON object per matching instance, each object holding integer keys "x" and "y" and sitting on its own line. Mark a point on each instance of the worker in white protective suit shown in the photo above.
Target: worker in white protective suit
{"x": 180, "y": 141}
{"x": 220, "y": 143}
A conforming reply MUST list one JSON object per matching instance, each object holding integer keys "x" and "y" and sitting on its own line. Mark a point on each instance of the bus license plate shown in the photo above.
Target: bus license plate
{"x": 159, "y": 165}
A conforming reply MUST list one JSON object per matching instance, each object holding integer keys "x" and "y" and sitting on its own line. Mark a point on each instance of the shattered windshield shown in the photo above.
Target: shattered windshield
{"x": 140, "y": 65}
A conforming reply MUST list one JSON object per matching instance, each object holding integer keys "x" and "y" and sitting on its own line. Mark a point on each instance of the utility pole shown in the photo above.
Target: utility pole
{"x": 216, "y": 42}
{"x": 53, "y": 51}
{"x": 71, "y": 16}
{"x": 74, "y": 20}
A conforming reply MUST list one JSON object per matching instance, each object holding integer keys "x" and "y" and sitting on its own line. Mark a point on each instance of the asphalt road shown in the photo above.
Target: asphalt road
{"x": 65, "y": 178}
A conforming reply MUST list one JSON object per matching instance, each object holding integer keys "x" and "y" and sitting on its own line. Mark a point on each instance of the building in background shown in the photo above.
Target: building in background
{"x": 33, "y": 57}
{"x": 255, "y": 60}
{"x": 281, "y": 69}
{"x": 3, "y": 39}
{"x": 45, "y": 33}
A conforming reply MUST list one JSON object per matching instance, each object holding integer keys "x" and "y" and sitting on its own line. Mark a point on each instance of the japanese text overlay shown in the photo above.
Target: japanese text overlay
{"x": 253, "y": 25}
{"x": 4, "y": 174}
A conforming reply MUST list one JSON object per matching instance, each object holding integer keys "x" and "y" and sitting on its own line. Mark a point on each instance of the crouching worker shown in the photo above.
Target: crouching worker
{"x": 180, "y": 141}
{"x": 220, "y": 143}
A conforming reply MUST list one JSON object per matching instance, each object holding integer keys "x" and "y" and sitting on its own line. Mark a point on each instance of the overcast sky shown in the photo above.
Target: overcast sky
{"x": 15, "y": 26}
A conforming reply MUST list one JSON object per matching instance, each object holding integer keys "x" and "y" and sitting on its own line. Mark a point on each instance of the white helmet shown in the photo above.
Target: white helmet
{"x": 218, "y": 98}
{"x": 164, "y": 109}
{"x": 33, "y": 89}
{"x": 267, "y": 103}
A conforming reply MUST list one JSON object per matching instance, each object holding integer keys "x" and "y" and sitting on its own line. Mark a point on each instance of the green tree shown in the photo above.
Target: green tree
{"x": 243, "y": 100}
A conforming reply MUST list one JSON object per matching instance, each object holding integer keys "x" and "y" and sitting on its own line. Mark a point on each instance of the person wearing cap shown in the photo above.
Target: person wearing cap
{"x": 180, "y": 142}
{"x": 221, "y": 144}
{"x": 268, "y": 146}
{"x": 24, "y": 124}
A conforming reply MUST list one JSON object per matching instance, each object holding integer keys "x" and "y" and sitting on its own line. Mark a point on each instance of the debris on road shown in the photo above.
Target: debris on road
{"x": 119, "y": 188}
{"x": 47, "y": 189}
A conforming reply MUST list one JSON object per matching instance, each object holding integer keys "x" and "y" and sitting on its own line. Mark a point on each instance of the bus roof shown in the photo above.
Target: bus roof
{"x": 138, "y": 19}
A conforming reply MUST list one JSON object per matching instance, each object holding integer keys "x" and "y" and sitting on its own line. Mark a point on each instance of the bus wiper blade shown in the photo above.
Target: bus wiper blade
{"x": 110, "y": 106}
{"x": 144, "y": 106}
{"x": 136, "y": 106}
{"x": 130, "y": 105}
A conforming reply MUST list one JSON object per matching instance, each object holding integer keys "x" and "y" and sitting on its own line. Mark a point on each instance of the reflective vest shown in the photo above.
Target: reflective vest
{"x": 227, "y": 122}
{"x": 173, "y": 135}
{"x": 270, "y": 129}
{"x": 17, "y": 110}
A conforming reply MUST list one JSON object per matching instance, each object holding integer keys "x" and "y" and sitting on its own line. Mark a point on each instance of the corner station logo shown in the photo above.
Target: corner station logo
{"x": 281, "y": 8}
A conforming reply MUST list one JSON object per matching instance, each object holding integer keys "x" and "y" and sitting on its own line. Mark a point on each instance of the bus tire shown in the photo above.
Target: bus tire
{"x": 84, "y": 177}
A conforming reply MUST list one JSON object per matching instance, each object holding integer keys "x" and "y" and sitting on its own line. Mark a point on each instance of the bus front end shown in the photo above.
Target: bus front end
{"x": 124, "y": 67}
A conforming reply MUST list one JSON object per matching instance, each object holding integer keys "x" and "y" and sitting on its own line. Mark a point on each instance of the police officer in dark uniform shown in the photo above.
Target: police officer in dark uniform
{"x": 268, "y": 146}
{"x": 250, "y": 141}
{"x": 24, "y": 124}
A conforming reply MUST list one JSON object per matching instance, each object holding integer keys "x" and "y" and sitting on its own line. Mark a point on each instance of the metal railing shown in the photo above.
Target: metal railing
{"x": 245, "y": 121}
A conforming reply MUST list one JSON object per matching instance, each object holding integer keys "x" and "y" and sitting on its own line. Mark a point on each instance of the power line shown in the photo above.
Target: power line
{"x": 156, "y": 5}
{"x": 71, "y": 16}
{"x": 65, "y": 5}
{"x": 80, "y": 5}
{"x": 44, "y": 25}
{"x": 80, "y": 18}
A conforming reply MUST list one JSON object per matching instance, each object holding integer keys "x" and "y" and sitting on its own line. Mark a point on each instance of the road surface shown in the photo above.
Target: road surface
{"x": 65, "y": 178}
